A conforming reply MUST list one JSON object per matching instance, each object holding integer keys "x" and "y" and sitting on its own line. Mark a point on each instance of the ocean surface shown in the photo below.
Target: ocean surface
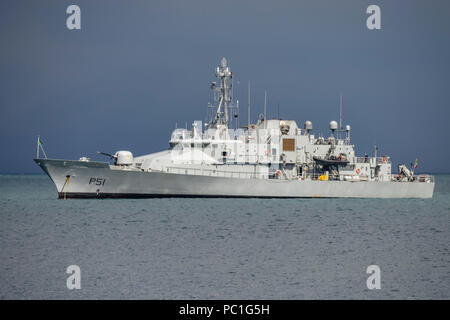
{"x": 221, "y": 248}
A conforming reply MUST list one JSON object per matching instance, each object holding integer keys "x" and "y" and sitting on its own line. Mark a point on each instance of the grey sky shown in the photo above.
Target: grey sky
{"x": 137, "y": 67}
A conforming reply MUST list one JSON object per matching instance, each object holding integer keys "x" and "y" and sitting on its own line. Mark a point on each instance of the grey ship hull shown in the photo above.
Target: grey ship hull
{"x": 98, "y": 180}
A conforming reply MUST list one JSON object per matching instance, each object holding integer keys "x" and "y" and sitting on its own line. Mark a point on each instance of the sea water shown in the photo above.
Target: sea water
{"x": 221, "y": 248}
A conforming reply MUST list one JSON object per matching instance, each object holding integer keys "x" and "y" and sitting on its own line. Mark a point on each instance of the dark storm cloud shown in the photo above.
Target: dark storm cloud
{"x": 137, "y": 67}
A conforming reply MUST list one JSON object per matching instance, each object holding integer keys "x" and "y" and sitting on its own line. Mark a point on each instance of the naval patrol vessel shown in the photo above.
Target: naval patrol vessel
{"x": 271, "y": 158}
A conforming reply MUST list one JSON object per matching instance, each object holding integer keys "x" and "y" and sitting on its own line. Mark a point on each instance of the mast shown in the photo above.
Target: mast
{"x": 37, "y": 147}
{"x": 225, "y": 95}
{"x": 248, "y": 118}
{"x": 237, "y": 116}
{"x": 340, "y": 111}
{"x": 340, "y": 114}
{"x": 265, "y": 109}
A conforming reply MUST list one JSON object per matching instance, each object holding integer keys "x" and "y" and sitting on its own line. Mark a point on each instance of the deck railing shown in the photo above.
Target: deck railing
{"x": 418, "y": 178}
{"x": 262, "y": 175}
{"x": 379, "y": 160}
{"x": 217, "y": 173}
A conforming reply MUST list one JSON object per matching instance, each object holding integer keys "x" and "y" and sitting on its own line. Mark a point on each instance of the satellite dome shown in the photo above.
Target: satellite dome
{"x": 308, "y": 125}
{"x": 333, "y": 125}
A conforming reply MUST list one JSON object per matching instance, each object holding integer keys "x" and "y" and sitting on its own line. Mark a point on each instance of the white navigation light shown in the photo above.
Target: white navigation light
{"x": 333, "y": 125}
{"x": 124, "y": 158}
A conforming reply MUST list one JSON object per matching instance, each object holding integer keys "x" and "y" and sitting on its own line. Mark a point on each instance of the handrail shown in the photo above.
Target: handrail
{"x": 417, "y": 178}
{"x": 265, "y": 176}
{"x": 219, "y": 173}
{"x": 378, "y": 159}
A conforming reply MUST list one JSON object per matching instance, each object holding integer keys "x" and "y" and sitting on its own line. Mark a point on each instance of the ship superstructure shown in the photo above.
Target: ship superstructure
{"x": 269, "y": 158}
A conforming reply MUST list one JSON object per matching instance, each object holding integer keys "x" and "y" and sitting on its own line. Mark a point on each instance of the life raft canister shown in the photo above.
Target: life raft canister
{"x": 383, "y": 159}
{"x": 358, "y": 171}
